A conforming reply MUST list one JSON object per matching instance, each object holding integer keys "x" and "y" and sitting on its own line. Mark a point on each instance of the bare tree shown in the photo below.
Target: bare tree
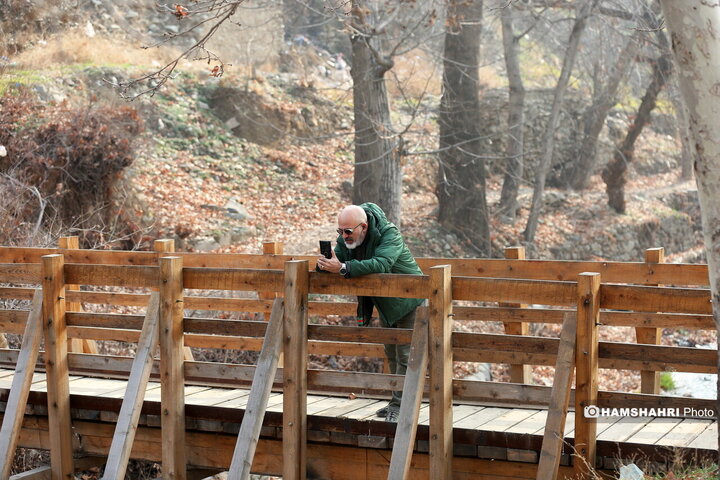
{"x": 595, "y": 115}
{"x": 614, "y": 173}
{"x": 583, "y": 13}
{"x": 379, "y": 31}
{"x": 461, "y": 178}
{"x": 696, "y": 48}
{"x": 516, "y": 118}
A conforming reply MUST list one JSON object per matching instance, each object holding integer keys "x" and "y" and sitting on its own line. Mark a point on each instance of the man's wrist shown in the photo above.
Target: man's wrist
{"x": 343, "y": 270}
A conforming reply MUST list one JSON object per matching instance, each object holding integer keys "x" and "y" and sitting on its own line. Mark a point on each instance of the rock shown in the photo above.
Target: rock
{"x": 484, "y": 373}
{"x": 203, "y": 244}
{"x": 236, "y": 210}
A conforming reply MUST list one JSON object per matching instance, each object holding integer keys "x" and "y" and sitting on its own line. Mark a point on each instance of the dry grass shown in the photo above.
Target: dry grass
{"x": 75, "y": 47}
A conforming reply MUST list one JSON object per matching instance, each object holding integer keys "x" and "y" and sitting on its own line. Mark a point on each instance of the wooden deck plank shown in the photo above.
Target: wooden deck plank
{"x": 684, "y": 432}
{"x": 367, "y": 412}
{"x": 532, "y": 424}
{"x": 315, "y": 407}
{"x": 424, "y": 414}
{"x": 342, "y": 410}
{"x": 311, "y": 399}
{"x": 215, "y": 396}
{"x": 708, "y": 439}
{"x": 241, "y": 400}
{"x": 508, "y": 419}
{"x": 623, "y": 429}
{"x": 462, "y": 411}
{"x": 654, "y": 430}
{"x": 476, "y": 420}
{"x": 570, "y": 425}
{"x": 38, "y": 377}
{"x": 97, "y": 387}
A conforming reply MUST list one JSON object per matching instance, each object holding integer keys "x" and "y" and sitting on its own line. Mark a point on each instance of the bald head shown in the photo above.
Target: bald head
{"x": 352, "y": 215}
{"x": 352, "y": 221}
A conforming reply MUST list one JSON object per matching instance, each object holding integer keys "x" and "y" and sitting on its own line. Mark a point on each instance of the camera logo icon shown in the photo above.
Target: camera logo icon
{"x": 591, "y": 411}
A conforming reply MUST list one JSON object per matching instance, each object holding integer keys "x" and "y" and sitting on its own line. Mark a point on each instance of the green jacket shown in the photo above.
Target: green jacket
{"x": 385, "y": 252}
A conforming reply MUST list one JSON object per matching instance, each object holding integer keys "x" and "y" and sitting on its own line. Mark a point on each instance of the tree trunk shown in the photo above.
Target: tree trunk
{"x": 614, "y": 172}
{"x": 461, "y": 176}
{"x": 595, "y": 116}
{"x": 378, "y": 176}
{"x": 683, "y": 126}
{"x": 549, "y": 136}
{"x": 693, "y": 25}
{"x": 516, "y": 119}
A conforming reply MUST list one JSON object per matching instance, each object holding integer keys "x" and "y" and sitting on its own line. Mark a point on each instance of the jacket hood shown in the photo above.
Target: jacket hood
{"x": 376, "y": 213}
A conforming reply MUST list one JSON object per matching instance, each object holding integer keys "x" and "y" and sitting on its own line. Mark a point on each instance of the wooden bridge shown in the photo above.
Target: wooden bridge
{"x": 62, "y": 391}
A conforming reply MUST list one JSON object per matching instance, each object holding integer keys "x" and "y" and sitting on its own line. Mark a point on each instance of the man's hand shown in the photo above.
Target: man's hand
{"x": 329, "y": 264}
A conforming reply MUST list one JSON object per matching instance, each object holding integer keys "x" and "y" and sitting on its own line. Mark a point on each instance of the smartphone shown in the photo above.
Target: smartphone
{"x": 325, "y": 248}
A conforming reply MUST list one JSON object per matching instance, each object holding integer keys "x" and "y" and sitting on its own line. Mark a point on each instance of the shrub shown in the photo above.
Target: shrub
{"x": 62, "y": 161}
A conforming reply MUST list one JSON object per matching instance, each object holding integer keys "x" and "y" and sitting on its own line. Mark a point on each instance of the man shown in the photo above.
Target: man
{"x": 368, "y": 243}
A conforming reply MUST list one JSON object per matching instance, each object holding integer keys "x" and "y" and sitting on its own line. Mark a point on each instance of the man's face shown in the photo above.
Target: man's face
{"x": 352, "y": 233}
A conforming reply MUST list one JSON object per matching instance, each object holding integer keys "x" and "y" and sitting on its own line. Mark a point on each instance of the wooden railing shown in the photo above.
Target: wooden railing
{"x": 513, "y": 291}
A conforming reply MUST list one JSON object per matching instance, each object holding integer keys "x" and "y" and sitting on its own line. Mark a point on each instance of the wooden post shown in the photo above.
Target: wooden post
{"x": 518, "y": 373}
{"x": 273, "y": 248}
{"x": 586, "y": 371}
{"x": 56, "y": 367}
{"x": 650, "y": 379}
{"x": 167, "y": 246}
{"x": 76, "y": 345}
{"x": 22, "y": 379}
{"x": 554, "y": 434}
{"x": 172, "y": 380}
{"x": 440, "y": 328}
{"x": 295, "y": 371}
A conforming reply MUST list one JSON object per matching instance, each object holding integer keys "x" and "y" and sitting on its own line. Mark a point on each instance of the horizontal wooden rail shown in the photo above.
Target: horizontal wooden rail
{"x": 563, "y": 270}
{"x": 20, "y": 273}
{"x": 514, "y": 291}
{"x": 16, "y": 293}
{"x": 377, "y": 285}
{"x": 655, "y": 299}
{"x": 629, "y": 356}
{"x": 111, "y": 275}
{"x": 232, "y": 279}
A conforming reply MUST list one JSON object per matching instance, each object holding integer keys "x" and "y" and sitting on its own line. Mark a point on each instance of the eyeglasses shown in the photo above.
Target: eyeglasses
{"x": 348, "y": 231}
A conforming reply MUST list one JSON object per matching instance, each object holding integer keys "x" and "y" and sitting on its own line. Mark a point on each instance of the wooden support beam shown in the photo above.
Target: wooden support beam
{"x": 295, "y": 370}
{"x": 650, "y": 380}
{"x": 129, "y": 415}
{"x": 519, "y": 373}
{"x": 39, "y": 473}
{"x": 586, "y": 371}
{"x": 56, "y": 366}
{"x": 441, "y": 372}
{"x": 172, "y": 381}
{"x": 260, "y": 391}
{"x": 554, "y": 435}
{"x": 167, "y": 246}
{"x": 22, "y": 379}
{"x": 413, "y": 386}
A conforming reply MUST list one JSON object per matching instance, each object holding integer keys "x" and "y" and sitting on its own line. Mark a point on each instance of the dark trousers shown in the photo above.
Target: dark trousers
{"x": 398, "y": 355}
